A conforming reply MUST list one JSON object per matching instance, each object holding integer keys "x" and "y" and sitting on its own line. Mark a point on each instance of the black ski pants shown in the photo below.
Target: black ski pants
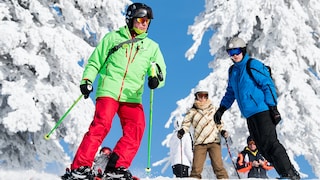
{"x": 263, "y": 131}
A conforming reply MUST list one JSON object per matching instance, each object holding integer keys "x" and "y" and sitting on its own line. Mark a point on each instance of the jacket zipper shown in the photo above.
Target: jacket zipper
{"x": 128, "y": 63}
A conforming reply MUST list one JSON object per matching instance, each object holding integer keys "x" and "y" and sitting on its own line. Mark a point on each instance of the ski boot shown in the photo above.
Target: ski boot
{"x": 67, "y": 175}
{"x": 99, "y": 175}
{"x": 292, "y": 174}
{"x": 120, "y": 173}
{"x": 83, "y": 172}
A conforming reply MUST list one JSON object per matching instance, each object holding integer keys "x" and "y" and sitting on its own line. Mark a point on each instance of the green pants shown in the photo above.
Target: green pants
{"x": 199, "y": 157}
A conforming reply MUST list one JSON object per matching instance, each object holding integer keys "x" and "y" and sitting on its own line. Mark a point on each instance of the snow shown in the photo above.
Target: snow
{"x": 28, "y": 174}
{"x": 44, "y": 44}
{"x": 35, "y": 175}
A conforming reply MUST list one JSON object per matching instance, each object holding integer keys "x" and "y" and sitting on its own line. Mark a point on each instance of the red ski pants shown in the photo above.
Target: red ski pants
{"x": 132, "y": 121}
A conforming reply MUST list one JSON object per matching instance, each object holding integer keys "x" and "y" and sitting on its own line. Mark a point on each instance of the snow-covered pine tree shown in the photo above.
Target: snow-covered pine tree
{"x": 43, "y": 46}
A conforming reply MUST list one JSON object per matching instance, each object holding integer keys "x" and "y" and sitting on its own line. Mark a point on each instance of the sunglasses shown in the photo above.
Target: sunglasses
{"x": 143, "y": 20}
{"x": 200, "y": 95}
{"x": 235, "y": 51}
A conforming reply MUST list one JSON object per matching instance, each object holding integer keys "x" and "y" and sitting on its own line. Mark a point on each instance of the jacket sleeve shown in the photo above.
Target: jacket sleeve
{"x": 96, "y": 59}
{"x": 266, "y": 165}
{"x": 243, "y": 166}
{"x": 161, "y": 66}
{"x": 228, "y": 97}
{"x": 187, "y": 121}
{"x": 262, "y": 76}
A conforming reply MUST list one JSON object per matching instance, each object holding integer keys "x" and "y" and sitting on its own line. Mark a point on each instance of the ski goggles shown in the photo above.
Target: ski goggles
{"x": 235, "y": 51}
{"x": 143, "y": 20}
{"x": 202, "y": 95}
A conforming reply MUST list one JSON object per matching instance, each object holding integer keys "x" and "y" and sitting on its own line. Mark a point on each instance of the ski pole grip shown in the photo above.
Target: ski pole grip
{"x": 153, "y": 69}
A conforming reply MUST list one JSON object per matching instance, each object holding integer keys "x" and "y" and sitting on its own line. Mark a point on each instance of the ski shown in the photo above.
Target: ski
{"x": 96, "y": 173}
{"x": 118, "y": 177}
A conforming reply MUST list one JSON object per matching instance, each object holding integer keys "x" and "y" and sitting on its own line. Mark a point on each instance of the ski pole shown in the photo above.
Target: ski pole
{"x": 47, "y": 136}
{"x": 234, "y": 165}
{"x": 148, "y": 169}
{"x": 181, "y": 157}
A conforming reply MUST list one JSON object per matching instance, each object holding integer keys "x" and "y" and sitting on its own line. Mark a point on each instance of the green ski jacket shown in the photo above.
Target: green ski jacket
{"x": 123, "y": 74}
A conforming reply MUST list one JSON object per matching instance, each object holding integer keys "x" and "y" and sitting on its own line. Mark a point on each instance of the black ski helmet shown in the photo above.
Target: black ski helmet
{"x": 249, "y": 139}
{"x": 137, "y": 10}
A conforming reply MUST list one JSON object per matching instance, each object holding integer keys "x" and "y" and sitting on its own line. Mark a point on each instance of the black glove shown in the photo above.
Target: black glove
{"x": 223, "y": 133}
{"x": 217, "y": 116}
{"x": 180, "y": 133}
{"x": 153, "y": 82}
{"x": 86, "y": 89}
{"x": 275, "y": 115}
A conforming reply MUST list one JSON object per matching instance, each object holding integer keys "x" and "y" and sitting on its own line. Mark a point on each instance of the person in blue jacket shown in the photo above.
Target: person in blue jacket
{"x": 257, "y": 101}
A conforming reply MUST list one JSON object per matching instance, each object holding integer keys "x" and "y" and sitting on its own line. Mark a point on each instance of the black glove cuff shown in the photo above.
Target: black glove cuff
{"x": 88, "y": 81}
{"x": 275, "y": 115}
{"x": 223, "y": 132}
{"x": 86, "y": 89}
{"x": 222, "y": 109}
{"x": 272, "y": 108}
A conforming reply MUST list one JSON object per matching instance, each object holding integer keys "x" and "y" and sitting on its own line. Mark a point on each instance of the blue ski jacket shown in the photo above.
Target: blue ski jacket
{"x": 252, "y": 97}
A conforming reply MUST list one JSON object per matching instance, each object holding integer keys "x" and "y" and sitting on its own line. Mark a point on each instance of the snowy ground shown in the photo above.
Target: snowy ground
{"x": 26, "y": 175}
{"x": 33, "y": 175}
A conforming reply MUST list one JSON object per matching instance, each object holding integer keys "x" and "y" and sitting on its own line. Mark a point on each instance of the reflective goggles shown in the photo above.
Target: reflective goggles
{"x": 143, "y": 20}
{"x": 202, "y": 95}
{"x": 235, "y": 51}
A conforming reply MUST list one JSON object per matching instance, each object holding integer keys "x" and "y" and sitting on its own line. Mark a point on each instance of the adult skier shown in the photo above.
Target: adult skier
{"x": 122, "y": 72}
{"x": 257, "y": 100}
{"x": 206, "y": 135}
